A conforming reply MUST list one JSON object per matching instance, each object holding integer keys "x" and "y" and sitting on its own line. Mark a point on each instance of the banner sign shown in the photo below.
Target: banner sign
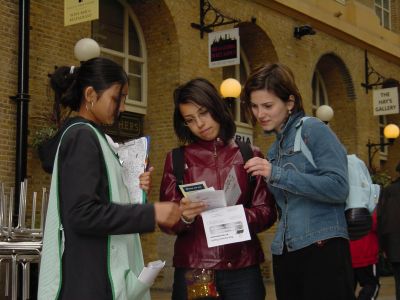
{"x": 223, "y": 48}
{"x": 244, "y": 137}
{"x": 386, "y": 101}
{"x": 77, "y": 11}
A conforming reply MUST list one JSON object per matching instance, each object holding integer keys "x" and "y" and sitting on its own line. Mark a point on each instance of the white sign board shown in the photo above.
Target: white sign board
{"x": 386, "y": 101}
{"x": 223, "y": 48}
{"x": 77, "y": 11}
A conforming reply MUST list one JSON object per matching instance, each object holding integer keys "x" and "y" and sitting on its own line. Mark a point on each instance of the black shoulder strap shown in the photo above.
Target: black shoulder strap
{"x": 178, "y": 164}
{"x": 245, "y": 150}
{"x": 247, "y": 153}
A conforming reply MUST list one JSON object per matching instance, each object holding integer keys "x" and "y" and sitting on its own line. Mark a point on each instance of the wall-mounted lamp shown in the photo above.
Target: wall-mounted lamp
{"x": 230, "y": 89}
{"x": 302, "y": 31}
{"x": 86, "y": 49}
{"x": 324, "y": 113}
{"x": 391, "y": 132}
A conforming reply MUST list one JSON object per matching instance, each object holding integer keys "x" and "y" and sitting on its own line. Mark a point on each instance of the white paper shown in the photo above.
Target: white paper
{"x": 133, "y": 157}
{"x": 232, "y": 188}
{"x": 213, "y": 198}
{"x": 225, "y": 225}
{"x": 149, "y": 273}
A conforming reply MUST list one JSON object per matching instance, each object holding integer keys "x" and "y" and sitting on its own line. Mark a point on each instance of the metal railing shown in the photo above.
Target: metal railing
{"x": 20, "y": 245}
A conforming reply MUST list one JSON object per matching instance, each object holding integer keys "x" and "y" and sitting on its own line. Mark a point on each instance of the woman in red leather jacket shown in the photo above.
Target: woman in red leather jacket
{"x": 364, "y": 258}
{"x": 204, "y": 124}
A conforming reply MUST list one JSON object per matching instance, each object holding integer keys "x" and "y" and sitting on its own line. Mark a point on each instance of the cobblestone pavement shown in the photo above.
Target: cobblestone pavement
{"x": 386, "y": 292}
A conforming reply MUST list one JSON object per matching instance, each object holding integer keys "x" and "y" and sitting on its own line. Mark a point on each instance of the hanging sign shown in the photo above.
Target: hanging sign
{"x": 244, "y": 137}
{"x": 77, "y": 11}
{"x": 386, "y": 101}
{"x": 223, "y": 48}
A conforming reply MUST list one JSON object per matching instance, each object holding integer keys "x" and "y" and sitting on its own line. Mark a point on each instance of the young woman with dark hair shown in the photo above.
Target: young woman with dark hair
{"x": 91, "y": 246}
{"x": 311, "y": 255}
{"x": 203, "y": 123}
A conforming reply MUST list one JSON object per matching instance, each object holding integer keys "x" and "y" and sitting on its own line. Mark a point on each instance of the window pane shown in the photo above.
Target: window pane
{"x": 108, "y": 30}
{"x": 134, "y": 44}
{"x": 386, "y": 19}
{"x": 118, "y": 60}
{"x": 135, "y": 68}
{"x": 135, "y": 88}
{"x": 386, "y": 4}
{"x": 378, "y": 2}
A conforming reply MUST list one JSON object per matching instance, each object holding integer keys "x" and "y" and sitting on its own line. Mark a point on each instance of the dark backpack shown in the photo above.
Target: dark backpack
{"x": 178, "y": 162}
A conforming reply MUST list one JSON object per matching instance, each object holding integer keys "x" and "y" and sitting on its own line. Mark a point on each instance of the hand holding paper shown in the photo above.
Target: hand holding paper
{"x": 149, "y": 273}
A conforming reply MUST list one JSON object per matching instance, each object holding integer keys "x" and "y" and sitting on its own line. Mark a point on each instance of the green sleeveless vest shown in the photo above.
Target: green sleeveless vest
{"x": 124, "y": 257}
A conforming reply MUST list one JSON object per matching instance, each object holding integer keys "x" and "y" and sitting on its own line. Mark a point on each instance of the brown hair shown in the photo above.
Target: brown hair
{"x": 275, "y": 78}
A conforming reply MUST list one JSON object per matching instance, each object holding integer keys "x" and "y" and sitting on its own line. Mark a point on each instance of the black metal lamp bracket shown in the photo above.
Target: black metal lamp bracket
{"x": 219, "y": 19}
{"x": 370, "y": 71}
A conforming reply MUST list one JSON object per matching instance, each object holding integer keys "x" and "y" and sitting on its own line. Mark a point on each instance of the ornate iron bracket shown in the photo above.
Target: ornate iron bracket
{"x": 370, "y": 71}
{"x": 219, "y": 19}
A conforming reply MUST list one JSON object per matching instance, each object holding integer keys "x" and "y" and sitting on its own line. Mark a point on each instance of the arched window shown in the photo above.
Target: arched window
{"x": 120, "y": 37}
{"x": 239, "y": 72}
{"x": 319, "y": 95}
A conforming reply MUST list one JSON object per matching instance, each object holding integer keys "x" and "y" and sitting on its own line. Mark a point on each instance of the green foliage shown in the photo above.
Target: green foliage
{"x": 381, "y": 178}
{"x": 41, "y": 135}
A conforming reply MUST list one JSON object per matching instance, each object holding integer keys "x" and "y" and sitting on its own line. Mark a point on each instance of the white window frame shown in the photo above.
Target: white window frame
{"x": 317, "y": 92}
{"x": 383, "y": 154}
{"x": 380, "y": 7}
{"x": 132, "y": 105}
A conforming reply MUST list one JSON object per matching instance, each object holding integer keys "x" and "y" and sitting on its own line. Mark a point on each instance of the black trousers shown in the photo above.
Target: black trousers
{"x": 368, "y": 279}
{"x": 320, "y": 271}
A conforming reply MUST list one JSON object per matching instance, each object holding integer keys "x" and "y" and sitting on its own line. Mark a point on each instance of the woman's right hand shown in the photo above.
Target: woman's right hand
{"x": 191, "y": 209}
{"x": 167, "y": 213}
{"x": 258, "y": 166}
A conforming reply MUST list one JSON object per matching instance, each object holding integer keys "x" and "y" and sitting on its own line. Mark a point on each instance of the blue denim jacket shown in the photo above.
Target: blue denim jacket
{"x": 310, "y": 200}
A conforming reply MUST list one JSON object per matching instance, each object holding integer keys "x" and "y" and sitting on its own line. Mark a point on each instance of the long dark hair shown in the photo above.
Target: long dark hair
{"x": 203, "y": 93}
{"x": 69, "y": 83}
{"x": 275, "y": 78}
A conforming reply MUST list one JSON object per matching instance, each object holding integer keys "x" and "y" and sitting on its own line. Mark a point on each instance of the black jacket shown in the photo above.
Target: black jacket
{"x": 87, "y": 215}
{"x": 389, "y": 221}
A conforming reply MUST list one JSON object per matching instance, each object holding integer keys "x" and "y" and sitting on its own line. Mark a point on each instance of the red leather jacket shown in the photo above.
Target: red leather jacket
{"x": 211, "y": 162}
{"x": 364, "y": 252}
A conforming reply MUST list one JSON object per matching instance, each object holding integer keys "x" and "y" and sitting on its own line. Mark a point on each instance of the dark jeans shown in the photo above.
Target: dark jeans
{"x": 396, "y": 274}
{"x": 240, "y": 284}
{"x": 368, "y": 279}
{"x": 320, "y": 271}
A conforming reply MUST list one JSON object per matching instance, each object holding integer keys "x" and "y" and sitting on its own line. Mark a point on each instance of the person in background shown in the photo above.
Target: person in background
{"x": 310, "y": 250}
{"x": 389, "y": 227}
{"x": 203, "y": 122}
{"x": 364, "y": 257}
{"x": 91, "y": 246}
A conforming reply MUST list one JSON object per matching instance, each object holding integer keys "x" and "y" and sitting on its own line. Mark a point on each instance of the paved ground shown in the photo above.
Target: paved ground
{"x": 386, "y": 292}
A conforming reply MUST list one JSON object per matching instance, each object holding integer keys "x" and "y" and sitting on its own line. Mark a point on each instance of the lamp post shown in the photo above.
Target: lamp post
{"x": 391, "y": 132}
{"x": 230, "y": 89}
{"x": 86, "y": 49}
{"x": 324, "y": 113}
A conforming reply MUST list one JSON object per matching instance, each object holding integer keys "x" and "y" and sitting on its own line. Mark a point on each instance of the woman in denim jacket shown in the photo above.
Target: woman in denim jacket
{"x": 311, "y": 257}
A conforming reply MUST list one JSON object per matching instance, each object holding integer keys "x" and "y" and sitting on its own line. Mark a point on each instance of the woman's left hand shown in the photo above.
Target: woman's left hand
{"x": 258, "y": 166}
{"x": 145, "y": 180}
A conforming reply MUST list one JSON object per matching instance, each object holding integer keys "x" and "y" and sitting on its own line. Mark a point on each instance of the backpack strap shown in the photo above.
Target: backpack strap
{"x": 299, "y": 144}
{"x": 178, "y": 164}
{"x": 247, "y": 153}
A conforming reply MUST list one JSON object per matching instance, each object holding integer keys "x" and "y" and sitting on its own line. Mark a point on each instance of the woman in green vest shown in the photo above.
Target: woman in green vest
{"x": 91, "y": 246}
